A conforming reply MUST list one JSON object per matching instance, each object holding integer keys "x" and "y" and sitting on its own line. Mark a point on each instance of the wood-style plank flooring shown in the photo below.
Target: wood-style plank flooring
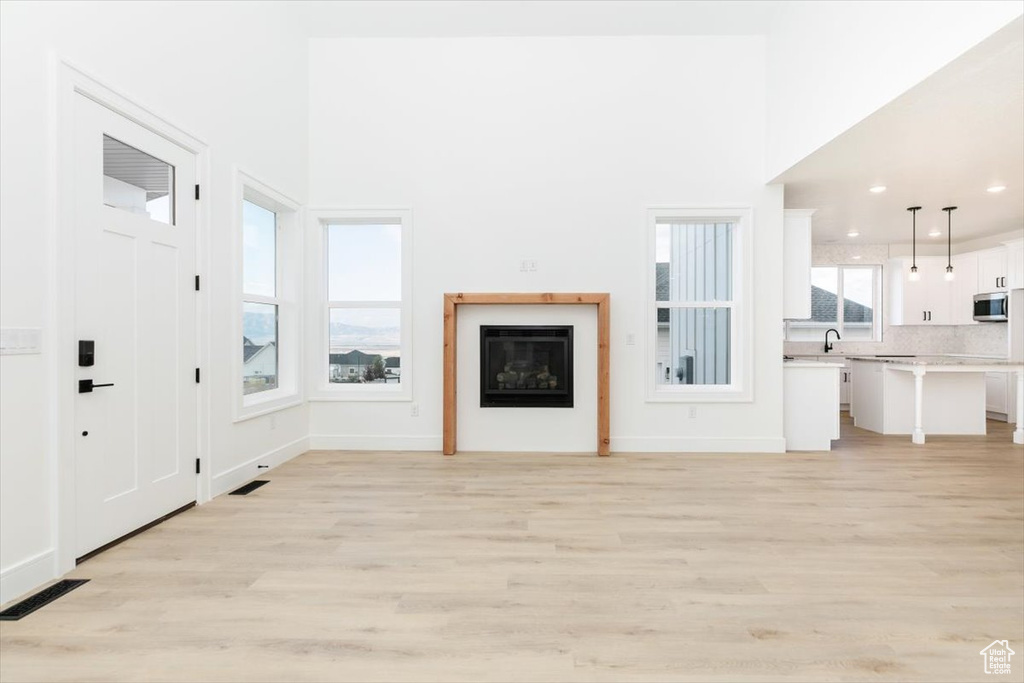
{"x": 879, "y": 561}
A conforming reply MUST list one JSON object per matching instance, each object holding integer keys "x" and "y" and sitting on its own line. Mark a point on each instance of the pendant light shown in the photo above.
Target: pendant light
{"x": 949, "y": 241}
{"x": 914, "y": 275}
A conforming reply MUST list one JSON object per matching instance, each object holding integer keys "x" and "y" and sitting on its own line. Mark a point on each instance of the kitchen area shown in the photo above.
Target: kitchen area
{"x": 902, "y": 356}
{"x": 903, "y": 266}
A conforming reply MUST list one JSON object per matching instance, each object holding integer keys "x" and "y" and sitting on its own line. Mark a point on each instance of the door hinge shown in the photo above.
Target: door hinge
{"x": 197, "y": 465}
{"x": 197, "y": 283}
{"x": 197, "y": 192}
{"x": 197, "y": 375}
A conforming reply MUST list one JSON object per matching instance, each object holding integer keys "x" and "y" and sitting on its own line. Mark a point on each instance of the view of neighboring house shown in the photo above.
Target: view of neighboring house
{"x": 693, "y": 342}
{"x": 823, "y": 309}
{"x": 259, "y": 366}
{"x": 352, "y": 366}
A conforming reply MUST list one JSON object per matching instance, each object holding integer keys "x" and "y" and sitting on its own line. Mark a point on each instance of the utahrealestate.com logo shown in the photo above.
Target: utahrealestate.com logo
{"x": 997, "y": 657}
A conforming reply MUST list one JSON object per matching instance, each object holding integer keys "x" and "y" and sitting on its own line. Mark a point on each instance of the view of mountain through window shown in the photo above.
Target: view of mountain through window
{"x": 364, "y": 284}
{"x": 260, "y": 305}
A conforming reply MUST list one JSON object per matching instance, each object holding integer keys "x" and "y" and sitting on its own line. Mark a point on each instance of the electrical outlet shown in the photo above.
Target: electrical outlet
{"x": 630, "y": 339}
{"x": 414, "y": 410}
{"x": 532, "y": 266}
{"x": 693, "y": 411}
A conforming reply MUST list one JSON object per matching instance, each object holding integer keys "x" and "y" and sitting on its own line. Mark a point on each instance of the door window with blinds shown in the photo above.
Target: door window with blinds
{"x": 696, "y": 305}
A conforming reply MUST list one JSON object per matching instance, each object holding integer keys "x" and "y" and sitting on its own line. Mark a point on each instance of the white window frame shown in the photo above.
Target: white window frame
{"x": 741, "y": 346}
{"x": 319, "y": 362}
{"x": 876, "y": 302}
{"x": 288, "y": 264}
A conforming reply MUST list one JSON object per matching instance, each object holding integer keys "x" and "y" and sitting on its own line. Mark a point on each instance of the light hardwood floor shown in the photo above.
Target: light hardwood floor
{"x": 879, "y": 561}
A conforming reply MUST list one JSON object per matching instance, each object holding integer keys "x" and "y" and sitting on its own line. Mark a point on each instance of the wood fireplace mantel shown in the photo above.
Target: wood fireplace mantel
{"x": 601, "y": 300}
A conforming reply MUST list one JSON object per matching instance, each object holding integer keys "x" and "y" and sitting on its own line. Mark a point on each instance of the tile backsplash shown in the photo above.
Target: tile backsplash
{"x": 985, "y": 339}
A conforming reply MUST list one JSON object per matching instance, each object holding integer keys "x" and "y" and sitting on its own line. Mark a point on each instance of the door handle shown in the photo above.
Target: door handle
{"x": 85, "y": 386}
{"x": 924, "y": 316}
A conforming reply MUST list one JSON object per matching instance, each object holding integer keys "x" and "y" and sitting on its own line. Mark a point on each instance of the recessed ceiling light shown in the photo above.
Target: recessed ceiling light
{"x": 935, "y": 232}
{"x": 856, "y": 258}
{"x": 877, "y": 188}
{"x": 996, "y": 188}
{"x": 852, "y": 233}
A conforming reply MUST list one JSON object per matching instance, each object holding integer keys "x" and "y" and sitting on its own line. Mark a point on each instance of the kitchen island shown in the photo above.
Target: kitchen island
{"x": 810, "y": 404}
{"x": 927, "y": 394}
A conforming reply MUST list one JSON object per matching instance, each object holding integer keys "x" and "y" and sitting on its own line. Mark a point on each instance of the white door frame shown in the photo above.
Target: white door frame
{"x": 68, "y": 82}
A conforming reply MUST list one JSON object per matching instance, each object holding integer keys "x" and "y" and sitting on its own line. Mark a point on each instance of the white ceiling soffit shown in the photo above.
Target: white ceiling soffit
{"x": 941, "y": 143}
{"x": 466, "y": 18}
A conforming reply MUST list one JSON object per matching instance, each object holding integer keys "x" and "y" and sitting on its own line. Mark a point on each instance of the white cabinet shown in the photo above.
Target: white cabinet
{"x": 796, "y": 264}
{"x": 926, "y": 301}
{"x": 845, "y": 384}
{"x": 1001, "y": 395}
{"x": 845, "y": 377}
{"x": 810, "y": 405}
{"x": 995, "y": 392}
{"x": 992, "y": 272}
{"x": 965, "y": 286}
{"x": 1015, "y": 264}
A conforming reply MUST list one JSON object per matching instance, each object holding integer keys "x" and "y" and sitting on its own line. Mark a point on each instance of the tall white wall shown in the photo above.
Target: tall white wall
{"x": 831, "y": 64}
{"x": 233, "y": 75}
{"x": 549, "y": 149}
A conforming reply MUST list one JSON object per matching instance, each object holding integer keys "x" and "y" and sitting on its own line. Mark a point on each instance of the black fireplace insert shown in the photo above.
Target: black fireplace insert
{"x": 526, "y": 366}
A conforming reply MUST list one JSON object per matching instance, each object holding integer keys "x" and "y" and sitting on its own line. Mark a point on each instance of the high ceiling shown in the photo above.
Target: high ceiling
{"x": 942, "y": 143}
{"x": 435, "y": 18}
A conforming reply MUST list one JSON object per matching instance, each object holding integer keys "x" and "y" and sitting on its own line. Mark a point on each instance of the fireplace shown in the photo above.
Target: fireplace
{"x": 526, "y": 366}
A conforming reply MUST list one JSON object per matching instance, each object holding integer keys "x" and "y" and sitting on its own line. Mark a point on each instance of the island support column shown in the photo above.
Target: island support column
{"x": 918, "y": 436}
{"x": 1018, "y": 433}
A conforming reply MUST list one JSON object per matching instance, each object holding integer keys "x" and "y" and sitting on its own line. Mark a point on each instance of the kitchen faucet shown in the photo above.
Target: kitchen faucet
{"x": 828, "y": 347}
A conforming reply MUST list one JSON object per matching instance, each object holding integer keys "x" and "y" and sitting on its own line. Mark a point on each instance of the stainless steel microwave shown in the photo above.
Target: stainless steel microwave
{"x": 991, "y": 307}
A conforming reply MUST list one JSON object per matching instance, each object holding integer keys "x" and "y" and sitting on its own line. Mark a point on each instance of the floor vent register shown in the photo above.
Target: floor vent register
{"x": 40, "y": 599}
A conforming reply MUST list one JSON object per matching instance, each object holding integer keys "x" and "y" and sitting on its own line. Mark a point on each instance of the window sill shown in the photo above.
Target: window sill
{"x": 368, "y": 396}
{"x": 267, "y": 406}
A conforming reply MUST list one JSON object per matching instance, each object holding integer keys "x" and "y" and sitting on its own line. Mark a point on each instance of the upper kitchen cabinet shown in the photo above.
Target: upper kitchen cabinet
{"x": 925, "y": 301}
{"x": 992, "y": 271}
{"x": 1015, "y": 264}
{"x": 796, "y": 264}
{"x": 965, "y": 286}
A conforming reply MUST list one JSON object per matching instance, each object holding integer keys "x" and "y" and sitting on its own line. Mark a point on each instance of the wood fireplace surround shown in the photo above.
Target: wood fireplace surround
{"x": 451, "y": 304}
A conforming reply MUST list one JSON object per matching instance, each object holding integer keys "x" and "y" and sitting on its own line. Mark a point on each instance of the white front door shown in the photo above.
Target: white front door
{"x": 135, "y": 234}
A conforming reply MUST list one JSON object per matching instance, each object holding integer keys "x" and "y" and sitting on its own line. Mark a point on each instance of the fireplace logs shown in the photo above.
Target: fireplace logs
{"x": 526, "y": 366}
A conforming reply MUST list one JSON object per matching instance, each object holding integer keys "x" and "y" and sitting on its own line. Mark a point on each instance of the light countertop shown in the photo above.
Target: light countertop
{"x": 810, "y": 364}
{"x": 938, "y": 360}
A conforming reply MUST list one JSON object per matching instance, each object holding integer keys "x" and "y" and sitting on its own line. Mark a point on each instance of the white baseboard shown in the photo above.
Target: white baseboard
{"x": 624, "y": 444}
{"x": 240, "y": 474}
{"x": 26, "y": 575}
{"x": 373, "y": 442}
{"x": 705, "y": 444}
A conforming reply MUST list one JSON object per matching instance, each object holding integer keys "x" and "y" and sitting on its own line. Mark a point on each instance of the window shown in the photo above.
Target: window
{"x": 698, "y": 297}
{"x": 260, "y": 303}
{"x": 845, "y": 298}
{"x": 365, "y": 349}
{"x": 136, "y": 182}
{"x": 269, "y": 289}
